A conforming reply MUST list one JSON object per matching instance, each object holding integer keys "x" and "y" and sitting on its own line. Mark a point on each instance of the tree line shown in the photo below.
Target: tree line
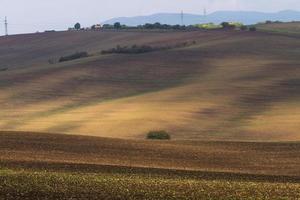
{"x": 159, "y": 26}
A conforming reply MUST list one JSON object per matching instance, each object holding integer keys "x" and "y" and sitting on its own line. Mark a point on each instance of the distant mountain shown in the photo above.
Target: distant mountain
{"x": 246, "y": 17}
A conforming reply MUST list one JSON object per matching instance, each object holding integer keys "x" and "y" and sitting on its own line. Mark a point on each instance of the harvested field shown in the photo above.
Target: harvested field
{"x": 51, "y": 166}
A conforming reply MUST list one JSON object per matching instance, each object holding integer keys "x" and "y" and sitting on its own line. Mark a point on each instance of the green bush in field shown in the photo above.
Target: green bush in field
{"x": 74, "y": 56}
{"x": 134, "y": 49}
{"x": 158, "y": 135}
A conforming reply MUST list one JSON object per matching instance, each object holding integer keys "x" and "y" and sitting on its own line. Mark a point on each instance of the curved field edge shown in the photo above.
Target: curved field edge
{"x": 261, "y": 158}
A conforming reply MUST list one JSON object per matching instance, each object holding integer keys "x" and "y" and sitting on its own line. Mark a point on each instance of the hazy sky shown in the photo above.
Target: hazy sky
{"x": 34, "y": 15}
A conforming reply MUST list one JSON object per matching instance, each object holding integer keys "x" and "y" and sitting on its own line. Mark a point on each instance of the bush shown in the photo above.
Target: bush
{"x": 129, "y": 50}
{"x": 158, "y": 135}
{"x": 227, "y": 25}
{"x": 253, "y": 28}
{"x": 138, "y": 49}
{"x": 269, "y": 22}
{"x": 77, "y": 26}
{"x": 74, "y": 56}
{"x": 117, "y": 25}
{"x": 107, "y": 26}
{"x": 244, "y": 28}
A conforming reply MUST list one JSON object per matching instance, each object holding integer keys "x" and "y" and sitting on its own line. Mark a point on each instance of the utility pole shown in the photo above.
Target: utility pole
{"x": 6, "y": 26}
{"x": 204, "y": 14}
{"x": 182, "y": 18}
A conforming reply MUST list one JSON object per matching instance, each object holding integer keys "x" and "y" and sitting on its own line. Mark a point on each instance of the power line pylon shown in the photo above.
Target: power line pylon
{"x": 182, "y": 22}
{"x": 204, "y": 15}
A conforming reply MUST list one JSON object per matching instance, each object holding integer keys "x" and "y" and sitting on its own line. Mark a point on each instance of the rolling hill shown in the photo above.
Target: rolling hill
{"x": 229, "y": 85}
{"x": 229, "y": 99}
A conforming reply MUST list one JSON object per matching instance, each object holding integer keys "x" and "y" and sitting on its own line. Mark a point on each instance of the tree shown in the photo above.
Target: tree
{"x": 268, "y": 22}
{"x": 77, "y": 26}
{"x": 225, "y": 24}
{"x": 107, "y": 26}
{"x": 157, "y": 25}
{"x": 253, "y": 28}
{"x": 148, "y": 26}
{"x": 244, "y": 28}
{"x": 117, "y": 25}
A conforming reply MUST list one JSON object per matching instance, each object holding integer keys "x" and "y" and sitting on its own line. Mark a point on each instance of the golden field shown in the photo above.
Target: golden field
{"x": 230, "y": 85}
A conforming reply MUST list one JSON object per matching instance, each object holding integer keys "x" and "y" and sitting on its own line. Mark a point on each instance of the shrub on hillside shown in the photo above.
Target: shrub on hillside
{"x": 138, "y": 49}
{"x": 244, "y": 28}
{"x": 74, "y": 56}
{"x": 227, "y": 25}
{"x": 158, "y": 135}
{"x": 135, "y": 49}
{"x": 253, "y": 28}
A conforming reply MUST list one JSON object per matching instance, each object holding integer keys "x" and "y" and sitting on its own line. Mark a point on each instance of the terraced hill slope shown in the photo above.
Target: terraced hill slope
{"x": 229, "y": 85}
